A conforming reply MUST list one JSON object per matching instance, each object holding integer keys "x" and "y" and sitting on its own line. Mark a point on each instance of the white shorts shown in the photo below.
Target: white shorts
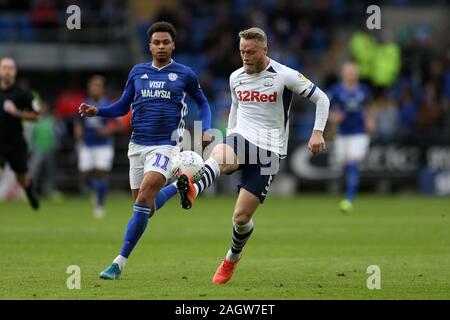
{"x": 351, "y": 147}
{"x": 95, "y": 158}
{"x": 149, "y": 158}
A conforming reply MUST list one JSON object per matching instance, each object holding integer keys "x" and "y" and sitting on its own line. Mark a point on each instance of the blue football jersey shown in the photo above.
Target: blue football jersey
{"x": 157, "y": 100}
{"x": 352, "y": 103}
{"x": 92, "y": 124}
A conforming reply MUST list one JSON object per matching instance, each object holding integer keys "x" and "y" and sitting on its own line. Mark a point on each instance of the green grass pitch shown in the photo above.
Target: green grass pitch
{"x": 302, "y": 248}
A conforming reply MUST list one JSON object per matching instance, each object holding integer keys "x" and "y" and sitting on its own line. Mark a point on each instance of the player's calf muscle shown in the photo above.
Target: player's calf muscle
{"x": 241, "y": 217}
{"x": 147, "y": 194}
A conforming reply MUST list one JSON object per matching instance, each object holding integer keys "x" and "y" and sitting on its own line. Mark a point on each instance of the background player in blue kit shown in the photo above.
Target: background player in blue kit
{"x": 96, "y": 151}
{"x": 348, "y": 101}
{"x": 155, "y": 92}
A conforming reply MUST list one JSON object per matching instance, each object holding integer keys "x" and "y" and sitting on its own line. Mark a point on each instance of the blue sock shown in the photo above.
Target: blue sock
{"x": 135, "y": 228}
{"x": 165, "y": 194}
{"x": 352, "y": 180}
{"x": 101, "y": 189}
{"x": 138, "y": 222}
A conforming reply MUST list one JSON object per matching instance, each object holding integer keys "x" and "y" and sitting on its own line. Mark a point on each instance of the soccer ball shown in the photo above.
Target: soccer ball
{"x": 189, "y": 163}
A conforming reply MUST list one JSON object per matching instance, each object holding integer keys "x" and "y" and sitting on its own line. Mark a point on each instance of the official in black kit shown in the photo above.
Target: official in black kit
{"x": 16, "y": 105}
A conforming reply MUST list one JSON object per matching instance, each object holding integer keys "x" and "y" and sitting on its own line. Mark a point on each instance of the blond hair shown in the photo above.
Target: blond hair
{"x": 254, "y": 33}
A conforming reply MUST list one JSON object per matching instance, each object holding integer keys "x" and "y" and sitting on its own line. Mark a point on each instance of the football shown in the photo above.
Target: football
{"x": 189, "y": 163}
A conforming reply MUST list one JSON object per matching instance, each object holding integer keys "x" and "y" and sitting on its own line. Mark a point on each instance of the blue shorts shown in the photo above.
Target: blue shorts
{"x": 258, "y": 166}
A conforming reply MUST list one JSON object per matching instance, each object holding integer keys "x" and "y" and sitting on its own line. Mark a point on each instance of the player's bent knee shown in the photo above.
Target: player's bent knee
{"x": 143, "y": 198}
{"x": 241, "y": 217}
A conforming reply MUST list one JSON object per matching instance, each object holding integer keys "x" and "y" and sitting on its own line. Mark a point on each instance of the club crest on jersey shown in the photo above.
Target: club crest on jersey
{"x": 172, "y": 76}
{"x": 268, "y": 81}
{"x": 256, "y": 96}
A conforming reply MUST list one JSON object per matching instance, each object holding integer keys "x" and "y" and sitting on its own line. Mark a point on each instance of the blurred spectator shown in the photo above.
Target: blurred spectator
{"x": 386, "y": 62}
{"x": 384, "y": 113}
{"x": 68, "y": 101}
{"x": 66, "y": 108}
{"x": 407, "y": 113}
{"x": 446, "y": 96}
{"x": 362, "y": 48}
{"x": 429, "y": 116}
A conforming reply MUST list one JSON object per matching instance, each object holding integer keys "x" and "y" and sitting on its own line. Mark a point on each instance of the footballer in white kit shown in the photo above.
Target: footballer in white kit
{"x": 257, "y": 137}
{"x": 261, "y": 103}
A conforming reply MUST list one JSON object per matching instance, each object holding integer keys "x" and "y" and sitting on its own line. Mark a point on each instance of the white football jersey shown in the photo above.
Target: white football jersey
{"x": 261, "y": 104}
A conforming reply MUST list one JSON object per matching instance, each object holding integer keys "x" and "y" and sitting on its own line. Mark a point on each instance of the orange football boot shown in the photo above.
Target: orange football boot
{"x": 224, "y": 272}
{"x": 187, "y": 191}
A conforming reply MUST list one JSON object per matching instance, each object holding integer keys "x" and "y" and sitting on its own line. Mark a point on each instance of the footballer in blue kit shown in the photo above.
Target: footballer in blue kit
{"x": 95, "y": 146}
{"x": 155, "y": 92}
{"x": 347, "y": 110}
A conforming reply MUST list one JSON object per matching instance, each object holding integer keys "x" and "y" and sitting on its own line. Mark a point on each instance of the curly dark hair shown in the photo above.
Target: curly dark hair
{"x": 161, "y": 26}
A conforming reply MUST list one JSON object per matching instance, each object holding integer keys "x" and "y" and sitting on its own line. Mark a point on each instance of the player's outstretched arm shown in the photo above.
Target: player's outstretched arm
{"x": 116, "y": 109}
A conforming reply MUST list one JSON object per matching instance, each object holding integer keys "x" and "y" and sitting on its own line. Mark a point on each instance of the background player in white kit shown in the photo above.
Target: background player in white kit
{"x": 257, "y": 136}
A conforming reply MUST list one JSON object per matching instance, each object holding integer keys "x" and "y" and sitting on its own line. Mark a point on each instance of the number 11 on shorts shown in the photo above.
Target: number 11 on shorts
{"x": 157, "y": 162}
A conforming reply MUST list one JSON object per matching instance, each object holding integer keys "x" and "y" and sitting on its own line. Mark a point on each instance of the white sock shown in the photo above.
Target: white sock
{"x": 232, "y": 256}
{"x": 243, "y": 228}
{"x": 238, "y": 244}
{"x": 121, "y": 261}
{"x": 214, "y": 165}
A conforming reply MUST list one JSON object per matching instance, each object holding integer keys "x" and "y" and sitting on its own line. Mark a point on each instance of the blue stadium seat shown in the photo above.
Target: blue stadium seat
{"x": 319, "y": 41}
{"x": 6, "y": 27}
{"x": 219, "y": 84}
{"x": 26, "y": 29}
{"x": 200, "y": 25}
{"x": 241, "y": 6}
{"x": 198, "y": 63}
{"x": 142, "y": 28}
{"x": 184, "y": 58}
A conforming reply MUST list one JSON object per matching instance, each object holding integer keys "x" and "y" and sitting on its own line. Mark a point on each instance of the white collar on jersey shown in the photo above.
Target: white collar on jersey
{"x": 159, "y": 69}
{"x": 269, "y": 65}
